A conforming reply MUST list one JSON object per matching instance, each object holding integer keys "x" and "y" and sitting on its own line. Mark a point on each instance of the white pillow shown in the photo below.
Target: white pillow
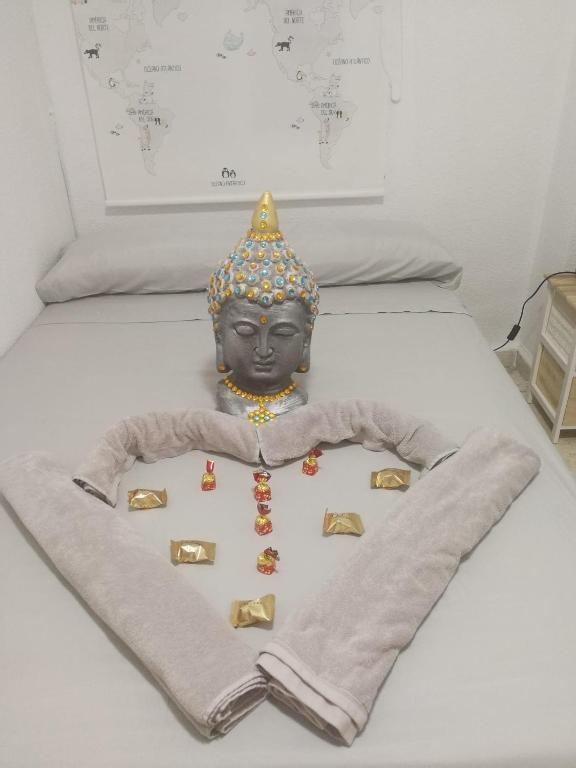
{"x": 372, "y": 251}
{"x": 338, "y": 252}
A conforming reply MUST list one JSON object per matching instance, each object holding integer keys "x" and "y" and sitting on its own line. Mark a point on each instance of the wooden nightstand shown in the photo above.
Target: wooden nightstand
{"x": 552, "y": 381}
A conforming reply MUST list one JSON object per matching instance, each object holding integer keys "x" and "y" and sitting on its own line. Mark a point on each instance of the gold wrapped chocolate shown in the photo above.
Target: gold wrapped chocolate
{"x": 144, "y": 498}
{"x": 345, "y": 522}
{"x": 244, "y": 613}
{"x": 391, "y": 477}
{"x": 192, "y": 551}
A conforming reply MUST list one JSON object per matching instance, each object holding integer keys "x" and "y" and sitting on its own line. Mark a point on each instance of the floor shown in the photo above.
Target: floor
{"x": 567, "y": 443}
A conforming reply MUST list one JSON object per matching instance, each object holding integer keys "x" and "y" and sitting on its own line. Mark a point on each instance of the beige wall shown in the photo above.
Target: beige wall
{"x": 35, "y": 216}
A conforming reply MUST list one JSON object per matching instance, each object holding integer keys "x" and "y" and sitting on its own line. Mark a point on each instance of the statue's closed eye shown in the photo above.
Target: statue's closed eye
{"x": 284, "y": 330}
{"x": 245, "y": 329}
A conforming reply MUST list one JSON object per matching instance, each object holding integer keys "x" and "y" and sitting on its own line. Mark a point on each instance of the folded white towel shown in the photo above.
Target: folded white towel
{"x": 368, "y": 422}
{"x": 329, "y": 661}
{"x": 156, "y": 436}
{"x": 194, "y": 655}
{"x": 161, "y": 435}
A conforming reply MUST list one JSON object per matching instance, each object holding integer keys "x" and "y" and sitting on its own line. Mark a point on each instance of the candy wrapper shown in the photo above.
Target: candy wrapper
{"x": 208, "y": 478}
{"x": 263, "y": 525}
{"x": 310, "y": 463}
{"x": 262, "y": 490}
{"x": 389, "y": 478}
{"x": 345, "y": 522}
{"x": 144, "y": 498}
{"x": 192, "y": 551}
{"x": 266, "y": 561}
{"x": 244, "y": 613}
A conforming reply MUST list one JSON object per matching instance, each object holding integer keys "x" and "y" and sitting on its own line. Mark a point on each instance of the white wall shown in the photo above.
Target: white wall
{"x": 472, "y": 143}
{"x": 34, "y": 212}
{"x": 556, "y": 247}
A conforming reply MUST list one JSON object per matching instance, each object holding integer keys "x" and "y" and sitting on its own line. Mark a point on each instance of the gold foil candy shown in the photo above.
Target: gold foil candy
{"x": 144, "y": 498}
{"x": 391, "y": 477}
{"x": 192, "y": 551}
{"x": 244, "y": 613}
{"x": 345, "y": 522}
{"x": 266, "y": 561}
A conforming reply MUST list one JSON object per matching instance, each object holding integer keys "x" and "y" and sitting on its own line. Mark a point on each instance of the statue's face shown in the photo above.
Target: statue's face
{"x": 263, "y": 347}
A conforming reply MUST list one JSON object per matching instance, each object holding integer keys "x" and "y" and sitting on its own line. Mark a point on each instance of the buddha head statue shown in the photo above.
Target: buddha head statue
{"x": 263, "y": 301}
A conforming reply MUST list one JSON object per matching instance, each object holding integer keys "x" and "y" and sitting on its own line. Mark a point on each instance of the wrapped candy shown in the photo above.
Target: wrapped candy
{"x": 310, "y": 463}
{"x": 262, "y": 490}
{"x": 344, "y": 522}
{"x": 389, "y": 478}
{"x": 263, "y": 525}
{"x": 192, "y": 551}
{"x": 144, "y": 498}
{"x": 208, "y": 478}
{"x": 266, "y": 561}
{"x": 244, "y": 613}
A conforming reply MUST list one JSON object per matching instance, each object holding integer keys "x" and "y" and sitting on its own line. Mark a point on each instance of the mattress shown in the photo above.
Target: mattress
{"x": 489, "y": 679}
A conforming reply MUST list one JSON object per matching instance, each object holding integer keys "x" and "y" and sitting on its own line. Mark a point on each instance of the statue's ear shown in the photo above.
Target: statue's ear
{"x": 304, "y": 364}
{"x": 221, "y": 364}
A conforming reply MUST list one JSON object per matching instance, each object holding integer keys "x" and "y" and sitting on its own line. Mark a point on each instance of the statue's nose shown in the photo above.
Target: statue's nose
{"x": 263, "y": 348}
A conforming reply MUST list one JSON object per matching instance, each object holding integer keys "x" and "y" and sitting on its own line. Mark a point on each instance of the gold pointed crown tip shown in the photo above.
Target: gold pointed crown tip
{"x": 265, "y": 218}
{"x": 266, "y": 199}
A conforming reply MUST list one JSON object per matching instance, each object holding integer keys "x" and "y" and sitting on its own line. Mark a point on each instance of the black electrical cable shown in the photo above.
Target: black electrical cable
{"x": 516, "y": 327}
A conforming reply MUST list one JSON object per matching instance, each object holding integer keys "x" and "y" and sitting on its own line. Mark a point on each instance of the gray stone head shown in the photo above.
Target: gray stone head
{"x": 263, "y": 301}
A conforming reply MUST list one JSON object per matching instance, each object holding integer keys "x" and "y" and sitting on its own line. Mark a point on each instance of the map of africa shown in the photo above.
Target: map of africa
{"x": 207, "y": 100}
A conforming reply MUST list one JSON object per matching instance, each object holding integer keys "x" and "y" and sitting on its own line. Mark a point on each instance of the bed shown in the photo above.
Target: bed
{"x": 490, "y": 677}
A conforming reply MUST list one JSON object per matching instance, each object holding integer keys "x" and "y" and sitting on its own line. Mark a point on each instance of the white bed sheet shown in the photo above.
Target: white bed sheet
{"x": 490, "y": 678}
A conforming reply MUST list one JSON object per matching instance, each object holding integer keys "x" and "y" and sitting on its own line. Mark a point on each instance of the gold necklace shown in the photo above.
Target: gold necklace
{"x": 261, "y": 415}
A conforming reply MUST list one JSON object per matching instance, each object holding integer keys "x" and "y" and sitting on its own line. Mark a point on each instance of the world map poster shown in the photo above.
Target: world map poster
{"x": 217, "y": 100}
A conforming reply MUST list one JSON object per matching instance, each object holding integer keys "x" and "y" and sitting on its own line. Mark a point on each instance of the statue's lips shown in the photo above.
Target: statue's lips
{"x": 264, "y": 366}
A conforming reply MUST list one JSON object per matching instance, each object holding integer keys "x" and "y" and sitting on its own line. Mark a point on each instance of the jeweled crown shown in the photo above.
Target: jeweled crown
{"x": 262, "y": 268}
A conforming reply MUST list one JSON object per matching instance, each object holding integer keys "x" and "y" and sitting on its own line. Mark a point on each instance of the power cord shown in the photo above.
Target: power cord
{"x": 516, "y": 327}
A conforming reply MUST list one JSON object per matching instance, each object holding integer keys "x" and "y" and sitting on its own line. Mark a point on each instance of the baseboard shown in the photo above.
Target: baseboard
{"x": 517, "y": 359}
{"x": 508, "y": 358}
{"x": 524, "y": 361}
